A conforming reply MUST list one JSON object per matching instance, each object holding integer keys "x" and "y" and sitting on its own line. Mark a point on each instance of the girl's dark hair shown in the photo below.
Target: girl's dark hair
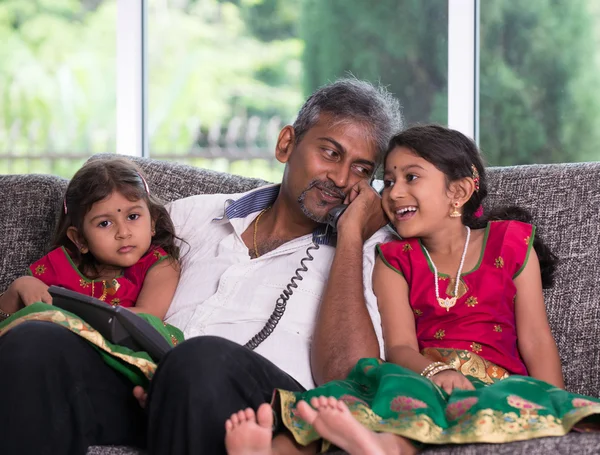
{"x": 453, "y": 153}
{"x": 97, "y": 180}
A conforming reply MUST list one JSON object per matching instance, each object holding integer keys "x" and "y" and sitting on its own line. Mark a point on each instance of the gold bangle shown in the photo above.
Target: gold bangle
{"x": 430, "y": 367}
{"x": 439, "y": 369}
{"x": 4, "y": 315}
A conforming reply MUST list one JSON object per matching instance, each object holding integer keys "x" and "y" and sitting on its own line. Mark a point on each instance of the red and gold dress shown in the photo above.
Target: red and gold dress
{"x": 57, "y": 269}
{"x": 478, "y": 336}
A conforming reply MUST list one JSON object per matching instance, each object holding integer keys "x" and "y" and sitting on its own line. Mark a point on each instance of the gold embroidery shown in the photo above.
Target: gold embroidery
{"x": 499, "y": 262}
{"x": 527, "y": 240}
{"x": 476, "y": 347}
{"x": 406, "y": 247}
{"x": 418, "y": 313}
{"x": 484, "y": 425}
{"x": 468, "y": 363}
{"x": 115, "y": 302}
{"x": 40, "y": 269}
{"x": 84, "y": 283}
{"x": 157, "y": 254}
{"x": 440, "y": 334}
{"x": 472, "y": 301}
{"x": 462, "y": 288}
{"x": 498, "y": 328}
{"x": 174, "y": 340}
{"x": 84, "y": 330}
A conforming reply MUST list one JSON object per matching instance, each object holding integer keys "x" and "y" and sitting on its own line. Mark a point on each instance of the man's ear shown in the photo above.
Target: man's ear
{"x": 285, "y": 144}
{"x": 462, "y": 190}
{"x": 77, "y": 239}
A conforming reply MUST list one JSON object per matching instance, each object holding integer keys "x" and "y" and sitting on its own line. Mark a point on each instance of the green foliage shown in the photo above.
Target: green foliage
{"x": 214, "y": 61}
{"x": 539, "y": 72}
{"x": 401, "y": 43}
{"x": 539, "y": 68}
{"x": 220, "y": 71}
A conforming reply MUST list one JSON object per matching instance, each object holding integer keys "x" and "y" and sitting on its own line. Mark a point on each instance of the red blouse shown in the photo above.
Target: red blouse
{"x": 57, "y": 269}
{"x": 483, "y": 319}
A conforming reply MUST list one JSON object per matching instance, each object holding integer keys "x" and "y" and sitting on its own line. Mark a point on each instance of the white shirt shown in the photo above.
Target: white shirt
{"x": 223, "y": 292}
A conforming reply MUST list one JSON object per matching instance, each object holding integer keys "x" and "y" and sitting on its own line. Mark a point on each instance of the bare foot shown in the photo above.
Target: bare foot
{"x": 334, "y": 422}
{"x": 250, "y": 434}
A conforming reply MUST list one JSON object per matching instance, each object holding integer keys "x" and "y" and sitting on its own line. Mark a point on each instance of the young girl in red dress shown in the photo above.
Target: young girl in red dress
{"x": 114, "y": 241}
{"x": 469, "y": 352}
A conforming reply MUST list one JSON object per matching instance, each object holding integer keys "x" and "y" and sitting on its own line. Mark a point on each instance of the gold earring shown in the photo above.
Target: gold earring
{"x": 455, "y": 213}
{"x": 83, "y": 250}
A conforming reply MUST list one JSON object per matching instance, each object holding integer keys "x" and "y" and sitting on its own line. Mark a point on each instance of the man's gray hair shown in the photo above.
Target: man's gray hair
{"x": 353, "y": 100}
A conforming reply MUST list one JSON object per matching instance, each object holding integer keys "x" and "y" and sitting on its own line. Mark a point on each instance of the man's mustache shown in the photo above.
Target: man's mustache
{"x": 327, "y": 186}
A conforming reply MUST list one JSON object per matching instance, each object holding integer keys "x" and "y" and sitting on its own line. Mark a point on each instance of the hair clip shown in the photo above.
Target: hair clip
{"x": 145, "y": 184}
{"x": 479, "y": 212}
{"x": 65, "y": 204}
{"x": 475, "y": 177}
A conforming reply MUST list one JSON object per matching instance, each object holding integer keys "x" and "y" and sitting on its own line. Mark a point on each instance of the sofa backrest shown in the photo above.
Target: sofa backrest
{"x": 564, "y": 201}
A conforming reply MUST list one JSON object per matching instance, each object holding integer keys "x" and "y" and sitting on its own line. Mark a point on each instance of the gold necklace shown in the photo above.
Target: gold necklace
{"x": 256, "y": 230}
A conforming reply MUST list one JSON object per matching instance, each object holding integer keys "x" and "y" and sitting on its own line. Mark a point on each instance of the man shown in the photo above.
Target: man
{"x": 243, "y": 251}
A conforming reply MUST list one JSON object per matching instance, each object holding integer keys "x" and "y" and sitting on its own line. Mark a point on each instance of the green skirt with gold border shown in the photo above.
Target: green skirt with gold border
{"x": 138, "y": 367}
{"x": 385, "y": 397}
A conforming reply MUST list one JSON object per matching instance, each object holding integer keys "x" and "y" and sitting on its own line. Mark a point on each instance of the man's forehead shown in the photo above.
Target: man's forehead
{"x": 348, "y": 132}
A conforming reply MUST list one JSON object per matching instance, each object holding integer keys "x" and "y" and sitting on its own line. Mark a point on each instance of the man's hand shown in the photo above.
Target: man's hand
{"x": 450, "y": 380}
{"x": 364, "y": 213}
{"x": 140, "y": 394}
{"x": 29, "y": 290}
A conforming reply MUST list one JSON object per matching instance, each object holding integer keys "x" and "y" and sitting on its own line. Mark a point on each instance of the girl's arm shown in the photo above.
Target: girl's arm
{"x": 535, "y": 341}
{"x": 22, "y": 292}
{"x": 158, "y": 289}
{"x": 397, "y": 319}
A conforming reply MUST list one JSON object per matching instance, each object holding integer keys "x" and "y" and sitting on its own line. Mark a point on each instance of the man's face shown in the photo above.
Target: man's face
{"x": 327, "y": 162}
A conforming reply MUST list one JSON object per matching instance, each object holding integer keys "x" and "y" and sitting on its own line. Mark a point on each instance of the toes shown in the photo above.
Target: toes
{"x": 314, "y": 401}
{"x": 235, "y": 421}
{"x": 228, "y": 425}
{"x": 265, "y": 416}
{"x": 341, "y": 406}
{"x": 332, "y": 402}
{"x": 321, "y": 402}
{"x": 241, "y": 415}
{"x": 249, "y": 414}
{"x": 305, "y": 412}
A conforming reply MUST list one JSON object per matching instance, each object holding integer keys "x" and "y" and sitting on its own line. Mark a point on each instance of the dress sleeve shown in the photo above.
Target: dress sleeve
{"x": 397, "y": 255}
{"x": 137, "y": 272}
{"x": 44, "y": 269}
{"x": 517, "y": 245}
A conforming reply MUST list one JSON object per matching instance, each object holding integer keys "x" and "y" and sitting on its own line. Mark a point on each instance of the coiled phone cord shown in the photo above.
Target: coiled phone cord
{"x": 281, "y": 302}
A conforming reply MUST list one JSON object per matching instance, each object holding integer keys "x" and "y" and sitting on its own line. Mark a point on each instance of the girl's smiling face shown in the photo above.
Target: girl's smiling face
{"x": 415, "y": 195}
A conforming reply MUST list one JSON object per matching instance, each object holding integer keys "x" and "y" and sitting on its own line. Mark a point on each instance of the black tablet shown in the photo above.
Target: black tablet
{"x": 118, "y": 325}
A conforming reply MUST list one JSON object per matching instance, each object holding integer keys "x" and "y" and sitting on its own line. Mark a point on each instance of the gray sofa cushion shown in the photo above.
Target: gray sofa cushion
{"x": 565, "y": 204}
{"x": 30, "y": 207}
{"x": 573, "y": 443}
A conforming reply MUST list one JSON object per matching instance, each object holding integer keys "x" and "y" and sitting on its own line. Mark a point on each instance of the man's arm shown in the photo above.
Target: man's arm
{"x": 344, "y": 332}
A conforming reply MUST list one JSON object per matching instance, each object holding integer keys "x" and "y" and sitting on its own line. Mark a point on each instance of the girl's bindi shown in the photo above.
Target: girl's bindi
{"x": 118, "y": 210}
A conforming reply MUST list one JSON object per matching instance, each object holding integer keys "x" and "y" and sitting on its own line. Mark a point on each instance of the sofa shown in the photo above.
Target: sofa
{"x": 564, "y": 200}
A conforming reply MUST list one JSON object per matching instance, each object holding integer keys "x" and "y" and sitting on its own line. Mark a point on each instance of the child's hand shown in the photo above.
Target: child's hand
{"x": 140, "y": 394}
{"x": 450, "y": 380}
{"x": 30, "y": 290}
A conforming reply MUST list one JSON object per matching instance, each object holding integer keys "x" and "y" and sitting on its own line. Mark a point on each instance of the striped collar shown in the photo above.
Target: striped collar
{"x": 261, "y": 198}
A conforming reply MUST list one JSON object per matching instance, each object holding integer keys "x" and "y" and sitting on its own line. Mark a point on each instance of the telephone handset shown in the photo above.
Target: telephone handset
{"x": 334, "y": 215}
